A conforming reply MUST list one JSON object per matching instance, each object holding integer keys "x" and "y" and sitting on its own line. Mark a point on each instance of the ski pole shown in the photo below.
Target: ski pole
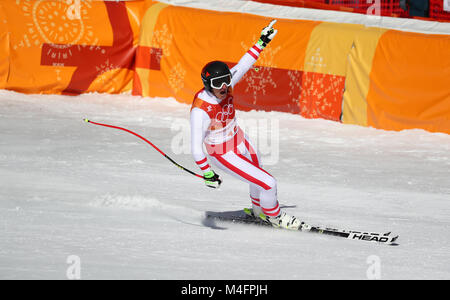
{"x": 148, "y": 142}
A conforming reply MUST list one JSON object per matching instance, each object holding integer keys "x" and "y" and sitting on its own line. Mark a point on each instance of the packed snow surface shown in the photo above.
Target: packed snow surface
{"x": 73, "y": 192}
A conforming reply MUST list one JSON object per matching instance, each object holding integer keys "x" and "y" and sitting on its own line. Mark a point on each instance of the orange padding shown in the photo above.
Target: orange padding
{"x": 68, "y": 47}
{"x": 304, "y": 70}
{"x": 368, "y": 76}
{"x": 410, "y": 82}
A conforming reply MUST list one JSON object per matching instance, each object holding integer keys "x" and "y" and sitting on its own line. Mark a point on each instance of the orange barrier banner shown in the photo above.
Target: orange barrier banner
{"x": 409, "y": 82}
{"x": 398, "y": 80}
{"x": 4, "y": 49}
{"x": 68, "y": 47}
{"x": 357, "y": 79}
{"x": 301, "y": 71}
{"x": 343, "y": 72}
{"x": 325, "y": 70}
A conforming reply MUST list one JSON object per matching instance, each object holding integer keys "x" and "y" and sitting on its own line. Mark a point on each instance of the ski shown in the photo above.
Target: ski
{"x": 245, "y": 218}
{"x": 383, "y": 238}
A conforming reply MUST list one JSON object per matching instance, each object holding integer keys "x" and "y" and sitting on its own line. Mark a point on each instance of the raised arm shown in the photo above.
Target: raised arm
{"x": 249, "y": 58}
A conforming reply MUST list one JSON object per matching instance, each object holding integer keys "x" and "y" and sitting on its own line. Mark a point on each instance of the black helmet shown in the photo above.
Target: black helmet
{"x": 215, "y": 74}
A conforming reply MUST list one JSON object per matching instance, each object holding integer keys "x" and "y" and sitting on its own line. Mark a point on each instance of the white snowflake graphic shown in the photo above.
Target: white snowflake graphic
{"x": 258, "y": 81}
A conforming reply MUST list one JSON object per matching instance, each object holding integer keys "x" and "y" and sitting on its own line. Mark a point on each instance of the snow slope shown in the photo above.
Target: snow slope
{"x": 69, "y": 188}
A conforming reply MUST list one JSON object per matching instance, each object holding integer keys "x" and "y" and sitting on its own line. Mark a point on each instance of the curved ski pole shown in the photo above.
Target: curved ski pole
{"x": 148, "y": 142}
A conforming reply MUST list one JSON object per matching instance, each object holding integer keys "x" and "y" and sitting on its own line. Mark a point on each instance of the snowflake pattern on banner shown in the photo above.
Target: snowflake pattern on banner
{"x": 43, "y": 16}
{"x": 162, "y": 39}
{"x": 311, "y": 94}
{"x": 259, "y": 81}
{"x": 104, "y": 76}
{"x": 321, "y": 96}
{"x": 88, "y": 56}
{"x": 176, "y": 77}
{"x": 56, "y": 22}
{"x": 295, "y": 86}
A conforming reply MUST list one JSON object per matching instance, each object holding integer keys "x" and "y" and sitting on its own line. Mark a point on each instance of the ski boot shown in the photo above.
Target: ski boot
{"x": 253, "y": 212}
{"x": 283, "y": 221}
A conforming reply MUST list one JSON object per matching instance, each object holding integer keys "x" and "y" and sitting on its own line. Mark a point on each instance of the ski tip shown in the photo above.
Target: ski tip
{"x": 86, "y": 120}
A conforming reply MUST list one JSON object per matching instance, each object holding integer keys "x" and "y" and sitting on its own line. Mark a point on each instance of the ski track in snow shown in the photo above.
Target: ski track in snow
{"x": 72, "y": 188}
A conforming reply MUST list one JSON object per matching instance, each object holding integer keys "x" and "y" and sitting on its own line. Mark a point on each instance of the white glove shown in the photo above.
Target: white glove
{"x": 267, "y": 34}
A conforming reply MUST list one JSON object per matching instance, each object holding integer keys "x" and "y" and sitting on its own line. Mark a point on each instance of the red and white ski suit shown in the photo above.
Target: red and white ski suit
{"x": 213, "y": 123}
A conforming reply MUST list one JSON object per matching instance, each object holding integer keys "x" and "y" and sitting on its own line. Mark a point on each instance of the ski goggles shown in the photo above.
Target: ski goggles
{"x": 218, "y": 82}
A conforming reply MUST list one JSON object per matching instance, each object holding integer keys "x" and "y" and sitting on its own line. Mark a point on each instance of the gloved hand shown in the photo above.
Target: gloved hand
{"x": 212, "y": 180}
{"x": 267, "y": 34}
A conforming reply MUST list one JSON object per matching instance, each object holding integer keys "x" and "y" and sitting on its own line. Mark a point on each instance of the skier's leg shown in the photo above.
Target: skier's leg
{"x": 255, "y": 196}
{"x": 243, "y": 168}
{"x": 247, "y": 149}
{"x": 240, "y": 166}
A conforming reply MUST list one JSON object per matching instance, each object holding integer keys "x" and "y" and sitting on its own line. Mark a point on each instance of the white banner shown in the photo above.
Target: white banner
{"x": 447, "y": 5}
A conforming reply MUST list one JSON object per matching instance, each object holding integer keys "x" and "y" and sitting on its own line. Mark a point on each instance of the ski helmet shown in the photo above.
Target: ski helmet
{"x": 215, "y": 74}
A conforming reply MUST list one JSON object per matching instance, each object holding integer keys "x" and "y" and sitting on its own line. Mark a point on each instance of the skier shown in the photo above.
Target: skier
{"x": 213, "y": 122}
